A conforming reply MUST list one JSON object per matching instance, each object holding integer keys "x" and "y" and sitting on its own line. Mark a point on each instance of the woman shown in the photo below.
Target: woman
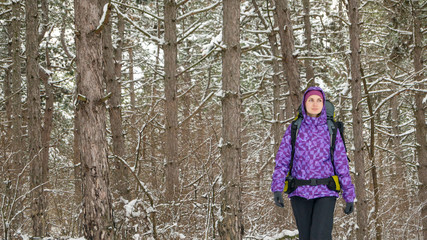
{"x": 313, "y": 205}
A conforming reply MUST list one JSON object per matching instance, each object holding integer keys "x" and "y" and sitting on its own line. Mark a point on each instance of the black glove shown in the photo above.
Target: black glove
{"x": 349, "y": 208}
{"x": 278, "y": 199}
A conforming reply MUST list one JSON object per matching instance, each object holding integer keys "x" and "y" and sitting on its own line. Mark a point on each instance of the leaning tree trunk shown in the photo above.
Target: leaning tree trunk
{"x": 420, "y": 117}
{"x": 91, "y": 110}
{"x": 171, "y": 111}
{"x": 119, "y": 172}
{"x": 38, "y": 201}
{"x": 290, "y": 63}
{"x": 371, "y": 153}
{"x": 231, "y": 225}
{"x": 362, "y": 207}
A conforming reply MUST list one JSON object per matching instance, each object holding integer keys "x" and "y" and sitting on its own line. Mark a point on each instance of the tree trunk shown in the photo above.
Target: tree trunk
{"x": 171, "y": 111}
{"x": 133, "y": 128}
{"x": 46, "y": 133}
{"x": 78, "y": 186}
{"x": 375, "y": 213}
{"x": 420, "y": 117}
{"x": 112, "y": 80}
{"x": 290, "y": 63}
{"x": 277, "y": 114}
{"x": 362, "y": 207}
{"x": 398, "y": 161}
{"x": 90, "y": 106}
{"x": 309, "y": 72}
{"x": 17, "y": 143}
{"x": 231, "y": 225}
{"x": 38, "y": 201}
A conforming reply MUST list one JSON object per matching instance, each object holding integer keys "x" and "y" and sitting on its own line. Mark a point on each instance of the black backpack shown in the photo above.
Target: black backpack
{"x": 333, "y": 126}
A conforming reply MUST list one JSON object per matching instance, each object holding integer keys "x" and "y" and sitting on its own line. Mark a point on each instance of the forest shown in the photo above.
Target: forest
{"x": 150, "y": 119}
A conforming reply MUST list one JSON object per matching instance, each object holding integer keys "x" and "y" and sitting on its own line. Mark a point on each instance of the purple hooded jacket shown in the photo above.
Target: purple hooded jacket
{"x": 312, "y": 158}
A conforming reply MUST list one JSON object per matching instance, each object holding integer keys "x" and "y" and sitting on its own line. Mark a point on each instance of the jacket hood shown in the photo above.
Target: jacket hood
{"x": 318, "y": 120}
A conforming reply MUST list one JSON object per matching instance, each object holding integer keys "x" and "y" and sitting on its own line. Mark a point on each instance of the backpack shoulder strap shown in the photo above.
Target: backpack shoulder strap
{"x": 340, "y": 126}
{"x": 296, "y": 124}
{"x": 332, "y": 125}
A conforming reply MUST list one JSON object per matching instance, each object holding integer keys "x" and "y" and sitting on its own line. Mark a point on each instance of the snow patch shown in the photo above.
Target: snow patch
{"x": 104, "y": 15}
{"x": 284, "y": 233}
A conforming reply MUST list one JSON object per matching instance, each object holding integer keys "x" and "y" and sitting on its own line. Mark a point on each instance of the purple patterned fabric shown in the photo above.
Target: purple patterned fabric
{"x": 312, "y": 158}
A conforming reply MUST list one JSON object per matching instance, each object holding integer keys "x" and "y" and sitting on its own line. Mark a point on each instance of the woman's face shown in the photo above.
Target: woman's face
{"x": 314, "y": 105}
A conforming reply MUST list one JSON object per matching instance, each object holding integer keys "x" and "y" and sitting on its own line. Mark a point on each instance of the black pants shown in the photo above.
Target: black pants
{"x": 314, "y": 217}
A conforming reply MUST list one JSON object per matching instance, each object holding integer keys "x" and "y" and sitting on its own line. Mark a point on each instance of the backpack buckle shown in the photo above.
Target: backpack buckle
{"x": 313, "y": 182}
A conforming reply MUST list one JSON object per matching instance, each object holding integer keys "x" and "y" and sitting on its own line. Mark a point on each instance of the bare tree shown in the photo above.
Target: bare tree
{"x": 91, "y": 110}
{"x": 112, "y": 80}
{"x": 290, "y": 63}
{"x": 231, "y": 226}
{"x": 309, "y": 72}
{"x": 371, "y": 151}
{"x": 38, "y": 200}
{"x": 356, "y": 83}
{"x": 171, "y": 109}
{"x": 420, "y": 117}
{"x": 16, "y": 125}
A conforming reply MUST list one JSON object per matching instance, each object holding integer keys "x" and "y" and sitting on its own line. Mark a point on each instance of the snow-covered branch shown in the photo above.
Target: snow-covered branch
{"x": 126, "y": 17}
{"x": 196, "y": 63}
{"x": 138, "y": 9}
{"x": 104, "y": 18}
{"x": 199, "y": 11}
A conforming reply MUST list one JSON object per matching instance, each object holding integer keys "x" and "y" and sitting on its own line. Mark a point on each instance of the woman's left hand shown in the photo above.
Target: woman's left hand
{"x": 349, "y": 208}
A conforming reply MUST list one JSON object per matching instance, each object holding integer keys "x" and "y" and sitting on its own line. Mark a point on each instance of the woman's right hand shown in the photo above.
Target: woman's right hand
{"x": 278, "y": 199}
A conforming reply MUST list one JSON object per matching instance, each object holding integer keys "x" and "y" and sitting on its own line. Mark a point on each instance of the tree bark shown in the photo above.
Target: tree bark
{"x": 17, "y": 141}
{"x": 309, "y": 72}
{"x": 78, "y": 186}
{"x": 231, "y": 226}
{"x": 112, "y": 76}
{"x": 361, "y": 205}
{"x": 290, "y": 63}
{"x": 133, "y": 128}
{"x": 375, "y": 214}
{"x": 275, "y": 52}
{"x": 420, "y": 117}
{"x": 38, "y": 201}
{"x": 171, "y": 111}
{"x": 91, "y": 110}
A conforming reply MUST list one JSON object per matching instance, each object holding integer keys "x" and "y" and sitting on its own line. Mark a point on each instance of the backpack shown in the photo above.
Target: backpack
{"x": 332, "y": 182}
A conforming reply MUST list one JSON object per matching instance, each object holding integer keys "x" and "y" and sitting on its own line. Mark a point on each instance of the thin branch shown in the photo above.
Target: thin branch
{"x": 182, "y": 3}
{"x": 141, "y": 10}
{"x": 198, "y": 62}
{"x": 62, "y": 37}
{"x": 192, "y": 29}
{"x": 197, "y": 109}
{"x": 126, "y": 17}
{"x": 199, "y": 11}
